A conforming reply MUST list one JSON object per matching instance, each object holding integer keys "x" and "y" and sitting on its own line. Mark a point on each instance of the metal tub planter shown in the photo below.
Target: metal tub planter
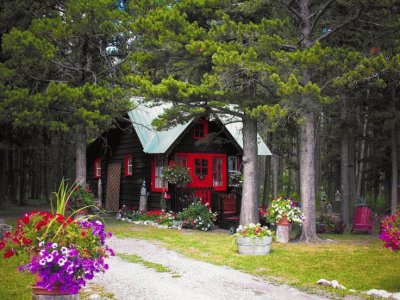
{"x": 255, "y": 245}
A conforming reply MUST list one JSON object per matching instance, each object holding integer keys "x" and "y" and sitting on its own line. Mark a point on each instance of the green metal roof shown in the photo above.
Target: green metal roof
{"x": 154, "y": 141}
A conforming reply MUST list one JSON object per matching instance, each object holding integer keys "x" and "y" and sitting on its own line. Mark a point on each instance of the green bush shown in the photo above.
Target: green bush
{"x": 197, "y": 216}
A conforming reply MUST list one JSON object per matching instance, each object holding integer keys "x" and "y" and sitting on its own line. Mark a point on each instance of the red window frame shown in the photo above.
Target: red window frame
{"x": 154, "y": 176}
{"x": 128, "y": 157}
{"x": 97, "y": 168}
{"x": 200, "y": 130}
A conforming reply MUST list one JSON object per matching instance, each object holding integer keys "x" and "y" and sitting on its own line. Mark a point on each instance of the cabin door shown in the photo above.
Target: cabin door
{"x": 113, "y": 186}
{"x": 202, "y": 172}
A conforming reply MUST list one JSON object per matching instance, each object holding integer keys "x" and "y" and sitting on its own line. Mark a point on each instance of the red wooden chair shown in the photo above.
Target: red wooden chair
{"x": 362, "y": 221}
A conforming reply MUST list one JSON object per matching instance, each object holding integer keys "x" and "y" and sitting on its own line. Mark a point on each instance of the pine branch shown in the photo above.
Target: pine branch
{"x": 289, "y": 7}
{"x": 319, "y": 14}
{"x": 348, "y": 21}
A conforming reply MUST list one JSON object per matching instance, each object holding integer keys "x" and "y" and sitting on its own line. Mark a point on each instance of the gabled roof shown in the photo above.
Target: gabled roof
{"x": 154, "y": 141}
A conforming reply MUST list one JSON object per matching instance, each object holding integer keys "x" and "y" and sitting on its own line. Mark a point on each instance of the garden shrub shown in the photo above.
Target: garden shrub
{"x": 197, "y": 216}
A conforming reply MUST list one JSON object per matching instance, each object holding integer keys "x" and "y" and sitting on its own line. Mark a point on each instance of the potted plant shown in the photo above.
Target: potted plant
{"x": 284, "y": 210}
{"x": 253, "y": 239}
{"x": 176, "y": 173}
{"x": 62, "y": 253}
{"x": 390, "y": 231}
{"x": 81, "y": 199}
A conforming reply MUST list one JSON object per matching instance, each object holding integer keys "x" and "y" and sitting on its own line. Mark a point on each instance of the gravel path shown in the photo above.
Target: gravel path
{"x": 188, "y": 279}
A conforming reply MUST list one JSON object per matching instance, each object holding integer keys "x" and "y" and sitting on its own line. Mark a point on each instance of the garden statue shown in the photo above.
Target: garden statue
{"x": 143, "y": 197}
{"x": 338, "y": 196}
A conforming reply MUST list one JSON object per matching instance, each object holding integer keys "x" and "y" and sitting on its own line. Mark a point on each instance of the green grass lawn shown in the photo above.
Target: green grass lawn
{"x": 357, "y": 261}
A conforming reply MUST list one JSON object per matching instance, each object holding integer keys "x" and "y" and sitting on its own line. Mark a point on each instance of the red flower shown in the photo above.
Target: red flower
{"x": 2, "y": 244}
{"x": 60, "y": 218}
{"x": 83, "y": 233}
{"x": 25, "y": 219}
{"x": 9, "y": 253}
{"x": 41, "y": 224}
{"x": 8, "y": 234}
{"x": 26, "y": 241}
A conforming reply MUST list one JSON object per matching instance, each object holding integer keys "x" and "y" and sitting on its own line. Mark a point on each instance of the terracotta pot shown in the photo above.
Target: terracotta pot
{"x": 284, "y": 221}
{"x": 39, "y": 293}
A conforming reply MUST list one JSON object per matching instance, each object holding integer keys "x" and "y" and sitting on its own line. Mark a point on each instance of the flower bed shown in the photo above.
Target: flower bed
{"x": 196, "y": 216}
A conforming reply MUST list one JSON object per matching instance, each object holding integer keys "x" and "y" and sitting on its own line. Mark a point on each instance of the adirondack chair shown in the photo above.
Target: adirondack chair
{"x": 362, "y": 221}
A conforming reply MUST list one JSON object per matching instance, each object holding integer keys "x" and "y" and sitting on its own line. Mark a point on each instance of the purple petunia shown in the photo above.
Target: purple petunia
{"x": 68, "y": 267}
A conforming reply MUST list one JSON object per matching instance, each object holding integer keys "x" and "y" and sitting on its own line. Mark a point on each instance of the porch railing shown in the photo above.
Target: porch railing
{"x": 183, "y": 196}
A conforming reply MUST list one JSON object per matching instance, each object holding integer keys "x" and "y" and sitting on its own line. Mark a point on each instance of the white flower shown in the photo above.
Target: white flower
{"x": 49, "y": 258}
{"x": 54, "y": 245}
{"x": 41, "y": 244}
{"x": 42, "y": 262}
{"x": 62, "y": 261}
{"x": 64, "y": 250}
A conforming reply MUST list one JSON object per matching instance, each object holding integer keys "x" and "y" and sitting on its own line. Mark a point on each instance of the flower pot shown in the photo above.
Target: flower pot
{"x": 284, "y": 221}
{"x": 254, "y": 246}
{"x": 39, "y": 293}
{"x": 55, "y": 294}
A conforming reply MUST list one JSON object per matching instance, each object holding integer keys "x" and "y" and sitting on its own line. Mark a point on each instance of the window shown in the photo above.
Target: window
{"x": 217, "y": 172}
{"x": 128, "y": 165}
{"x": 157, "y": 165}
{"x": 201, "y": 168}
{"x": 233, "y": 163}
{"x": 200, "y": 130}
{"x": 97, "y": 168}
{"x": 181, "y": 159}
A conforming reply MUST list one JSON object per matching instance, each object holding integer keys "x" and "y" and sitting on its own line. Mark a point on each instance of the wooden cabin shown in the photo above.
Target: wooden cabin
{"x": 134, "y": 152}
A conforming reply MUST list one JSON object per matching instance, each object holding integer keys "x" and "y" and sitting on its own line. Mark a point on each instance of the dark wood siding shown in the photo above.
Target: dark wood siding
{"x": 120, "y": 143}
{"x": 216, "y": 142}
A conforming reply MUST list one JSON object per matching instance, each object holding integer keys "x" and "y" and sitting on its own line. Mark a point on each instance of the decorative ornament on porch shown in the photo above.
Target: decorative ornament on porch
{"x": 253, "y": 239}
{"x": 176, "y": 173}
{"x": 64, "y": 253}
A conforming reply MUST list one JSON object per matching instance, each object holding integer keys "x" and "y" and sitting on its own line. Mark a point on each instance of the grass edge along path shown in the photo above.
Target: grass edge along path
{"x": 358, "y": 262}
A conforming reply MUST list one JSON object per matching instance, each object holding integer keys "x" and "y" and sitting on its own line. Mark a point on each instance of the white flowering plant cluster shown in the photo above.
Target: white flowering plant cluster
{"x": 284, "y": 206}
{"x": 197, "y": 216}
{"x": 253, "y": 230}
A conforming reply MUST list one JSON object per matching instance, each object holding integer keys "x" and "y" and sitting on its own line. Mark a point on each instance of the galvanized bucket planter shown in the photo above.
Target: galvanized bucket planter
{"x": 254, "y": 246}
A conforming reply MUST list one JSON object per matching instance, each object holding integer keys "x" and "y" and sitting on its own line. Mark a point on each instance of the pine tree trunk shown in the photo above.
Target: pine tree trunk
{"x": 307, "y": 176}
{"x": 307, "y": 137}
{"x": 249, "y": 209}
{"x": 3, "y": 189}
{"x": 80, "y": 156}
{"x": 352, "y": 170}
{"x": 395, "y": 168}
{"x": 362, "y": 155}
{"x": 267, "y": 175}
{"x": 275, "y": 174}
{"x": 344, "y": 169}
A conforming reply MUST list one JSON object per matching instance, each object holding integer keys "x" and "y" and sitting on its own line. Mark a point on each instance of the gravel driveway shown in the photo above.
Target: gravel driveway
{"x": 188, "y": 279}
